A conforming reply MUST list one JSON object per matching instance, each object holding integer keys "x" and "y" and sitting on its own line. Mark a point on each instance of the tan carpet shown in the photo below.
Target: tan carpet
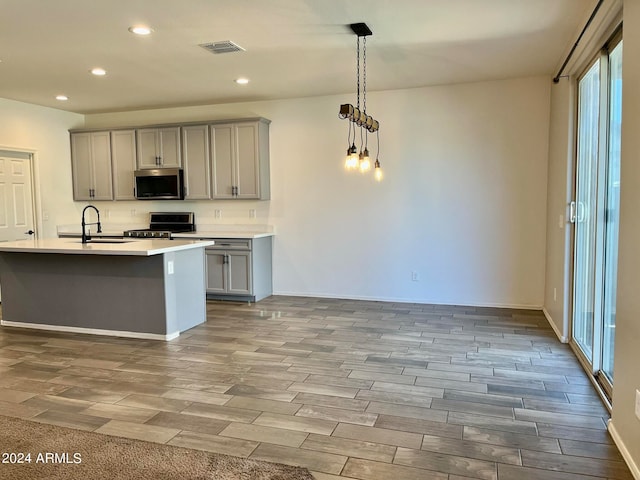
{"x": 106, "y": 457}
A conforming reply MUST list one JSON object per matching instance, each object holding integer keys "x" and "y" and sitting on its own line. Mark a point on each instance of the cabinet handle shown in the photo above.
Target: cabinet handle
{"x": 224, "y": 259}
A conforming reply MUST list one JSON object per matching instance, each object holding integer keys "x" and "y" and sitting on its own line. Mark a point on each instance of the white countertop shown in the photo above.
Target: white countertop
{"x": 142, "y": 248}
{"x": 222, "y": 234}
{"x": 204, "y": 231}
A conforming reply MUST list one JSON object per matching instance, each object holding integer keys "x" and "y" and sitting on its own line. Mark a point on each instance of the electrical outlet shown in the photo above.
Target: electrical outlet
{"x": 252, "y": 213}
{"x": 555, "y": 294}
{"x": 170, "y": 267}
{"x": 638, "y": 404}
{"x": 133, "y": 212}
{"x": 415, "y": 277}
{"x": 218, "y": 213}
{"x": 106, "y": 213}
{"x": 45, "y": 216}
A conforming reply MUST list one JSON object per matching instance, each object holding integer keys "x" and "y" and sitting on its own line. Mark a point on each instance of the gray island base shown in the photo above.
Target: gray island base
{"x": 142, "y": 289}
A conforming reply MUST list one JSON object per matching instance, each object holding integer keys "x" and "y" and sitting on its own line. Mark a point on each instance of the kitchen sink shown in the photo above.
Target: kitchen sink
{"x": 105, "y": 240}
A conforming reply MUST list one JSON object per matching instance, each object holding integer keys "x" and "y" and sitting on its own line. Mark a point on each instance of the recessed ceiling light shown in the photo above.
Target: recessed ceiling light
{"x": 98, "y": 71}
{"x": 140, "y": 30}
{"x": 62, "y": 98}
{"x": 242, "y": 81}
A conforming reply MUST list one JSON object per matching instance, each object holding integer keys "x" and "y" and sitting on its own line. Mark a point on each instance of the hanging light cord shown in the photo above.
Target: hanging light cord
{"x": 349, "y": 136}
{"x": 378, "y": 150}
{"x": 364, "y": 86}
{"x": 364, "y": 74}
{"x": 358, "y": 71}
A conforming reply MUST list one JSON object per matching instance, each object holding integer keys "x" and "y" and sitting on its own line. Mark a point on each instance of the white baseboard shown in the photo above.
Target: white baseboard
{"x": 635, "y": 471}
{"x": 562, "y": 338}
{"x": 425, "y": 301}
{"x": 91, "y": 331}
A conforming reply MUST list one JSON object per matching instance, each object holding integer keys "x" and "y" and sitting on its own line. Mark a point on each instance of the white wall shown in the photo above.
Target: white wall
{"x": 627, "y": 358}
{"x": 44, "y": 130}
{"x": 463, "y": 203}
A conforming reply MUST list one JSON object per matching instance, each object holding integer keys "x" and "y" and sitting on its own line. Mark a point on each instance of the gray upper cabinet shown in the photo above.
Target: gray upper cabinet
{"x": 159, "y": 148}
{"x": 91, "y": 166}
{"x": 226, "y": 160}
{"x": 197, "y": 163}
{"x": 123, "y": 160}
{"x": 240, "y": 159}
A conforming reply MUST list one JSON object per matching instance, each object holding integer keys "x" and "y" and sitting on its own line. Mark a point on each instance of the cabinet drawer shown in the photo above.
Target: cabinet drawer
{"x": 230, "y": 244}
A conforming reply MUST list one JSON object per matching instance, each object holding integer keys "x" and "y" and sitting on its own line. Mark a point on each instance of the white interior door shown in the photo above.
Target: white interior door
{"x": 16, "y": 199}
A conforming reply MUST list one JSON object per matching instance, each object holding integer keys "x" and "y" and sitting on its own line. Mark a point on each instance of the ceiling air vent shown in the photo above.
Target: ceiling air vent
{"x": 225, "y": 46}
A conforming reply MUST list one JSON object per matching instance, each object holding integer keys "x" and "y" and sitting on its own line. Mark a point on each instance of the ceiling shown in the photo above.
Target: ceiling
{"x": 294, "y": 48}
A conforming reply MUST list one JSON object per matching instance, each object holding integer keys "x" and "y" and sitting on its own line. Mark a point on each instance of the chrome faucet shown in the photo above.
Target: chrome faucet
{"x": 85, "y": 237}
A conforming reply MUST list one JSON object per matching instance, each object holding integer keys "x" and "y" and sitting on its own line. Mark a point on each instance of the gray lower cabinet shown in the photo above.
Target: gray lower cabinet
{"x": 239, "y": 269}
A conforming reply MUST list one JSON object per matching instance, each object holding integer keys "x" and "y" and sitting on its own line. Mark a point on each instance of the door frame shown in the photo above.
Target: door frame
{"x": 36, "y": 197}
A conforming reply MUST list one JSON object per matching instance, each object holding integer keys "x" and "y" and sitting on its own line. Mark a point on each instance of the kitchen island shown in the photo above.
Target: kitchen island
{"x": 151, "y": 289}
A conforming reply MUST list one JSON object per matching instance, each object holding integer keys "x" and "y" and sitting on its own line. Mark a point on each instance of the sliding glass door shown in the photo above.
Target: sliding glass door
{"x": 595, "y": 212}
{"x": 612, "y": 212}
{"x": 584, "y": 209}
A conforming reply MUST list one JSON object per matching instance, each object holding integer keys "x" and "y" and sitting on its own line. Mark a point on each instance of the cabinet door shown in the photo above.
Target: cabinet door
{"x": 215, "y": 271}
{"x": 123, "y": 160}
{"x": 196, "y": 159}
{"x": 223, "y": 153}
{"x": 239, "y": 271}
{"x": 247, "y": 166}
{"x": 169, "y": 147}
{"x": 101, "y": 166}
{"x": 81, "y": 165}
{"x": 147, "y": 148}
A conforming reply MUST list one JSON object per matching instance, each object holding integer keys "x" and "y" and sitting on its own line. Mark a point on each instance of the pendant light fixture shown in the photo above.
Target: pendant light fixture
{"x": 357, "y": 116}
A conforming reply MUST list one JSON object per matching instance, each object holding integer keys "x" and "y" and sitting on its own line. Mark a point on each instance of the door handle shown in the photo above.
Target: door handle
{"x": 29, "y": 232}
{"x": 572, "y": 212}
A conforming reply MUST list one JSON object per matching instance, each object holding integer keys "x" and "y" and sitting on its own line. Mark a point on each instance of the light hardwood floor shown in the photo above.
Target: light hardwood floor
{"x": 349, "y": 389}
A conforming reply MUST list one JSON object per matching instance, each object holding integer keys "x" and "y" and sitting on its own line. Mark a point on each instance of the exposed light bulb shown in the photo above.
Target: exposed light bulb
{"x": 365, "y": 161}
{"x": 347, "y": 160}
{"x": 378, "y": 171}
{"x": 351, "y": 162}
{"x": 99, "y": 72}
{"x": 62, "y": 98}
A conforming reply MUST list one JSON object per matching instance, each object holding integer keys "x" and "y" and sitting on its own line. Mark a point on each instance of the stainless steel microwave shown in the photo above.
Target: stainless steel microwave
{"x": 159, "y": 184}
